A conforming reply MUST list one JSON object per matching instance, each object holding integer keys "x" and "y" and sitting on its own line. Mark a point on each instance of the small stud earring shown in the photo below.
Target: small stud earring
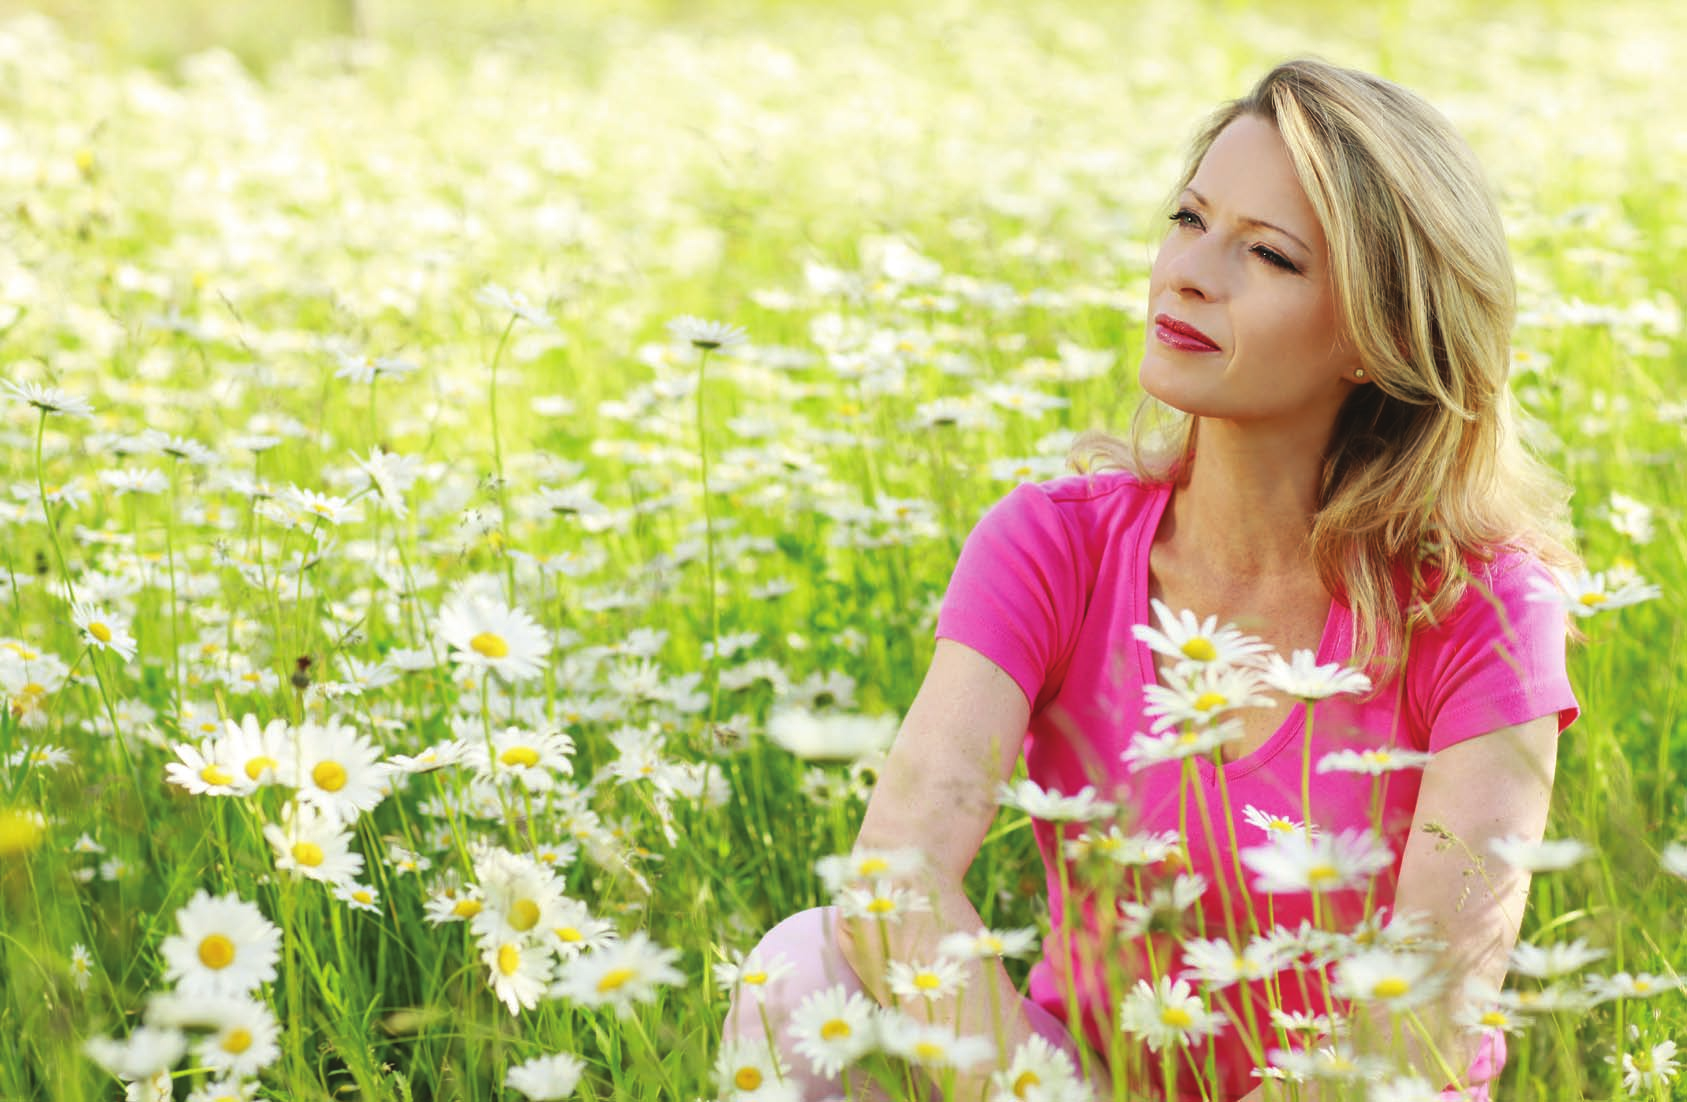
{"x": 1358, "y": 373}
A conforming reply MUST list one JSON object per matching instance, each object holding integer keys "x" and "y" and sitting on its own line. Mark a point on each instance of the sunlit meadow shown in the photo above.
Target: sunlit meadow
{"x": 477, "y": 498}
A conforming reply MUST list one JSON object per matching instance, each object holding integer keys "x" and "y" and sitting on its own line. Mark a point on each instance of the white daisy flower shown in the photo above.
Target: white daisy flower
{"x": 1168, "y": 1013}
{"x": 752, "y": 970}
{"x": 1192, "y": 642}
{"x": 1296, "y": 863}
{"x": 882, "y": 901}
{"x": 1553, "y": 999}
{"x": 486, "y": 634}
{"x": 513, "y": 302}
{"x": 1546, "y": 961}
{"x": 707, "y": 335}
{"x": 224, "y": 946}
{"x": 1674, "y": 859}
{"x": 1397, "y": 979}
{"x": 318, "y": 507}
{"x": 838, "y": 871}
{"x": 335, "y": 769}
{"x": 143, "y": 1054}
{"x": 520, "y": 897}
{"x": 1175, "y": 745}
{"x": 204, "y": 770}
{"x": 452, "y": 904}
{"x": 1217, "y": 963}
{"x": 619, "y": 974}
{"x": 50, "y": 399}
{"x": 988, "y": 944}
{"x": 1373, "y": 762}
{"x": 833, "y": 1028}
{"x": 578, "y": 932}
{"x": 1304, "y": 679}
{"x": 104, "y": 629}
{"x": 1166, "y": 901}
{"x": 243, "y": 1037}
{"x": 1586, "y": 594}
{"x": 1338, "y": 1063}
{"x": 530, "y": 758}
{"x": 1121, "y": 848}
{"x": 1202, "y": 695}
{"x": 81, "y": 966}
{"x": 314, "y": 845}
{"x": 546, "y": 1078}
{"x": 817, "y": 737}
{"x": 520, "y": 971}
{"x": 255, "y": 752}
{"x": 749, "y": 1070}
{"x": 1041, "y": 1072}
{"x": 1028, "y": 796}
{"x": 936, "y": 980}
{"x": 1544, "y": 856}
{"x": 359, "y": 897}
{"x": 1650, "y": 1069}
{"x": 928, "y": 1045}
{"x": 1272, "y": 822}
{"x": 1642, "y": 985}
{"x": 438, "y": 756}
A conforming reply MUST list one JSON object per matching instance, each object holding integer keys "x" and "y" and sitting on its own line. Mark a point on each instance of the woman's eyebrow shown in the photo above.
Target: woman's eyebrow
{"x": 1254, "y": 221}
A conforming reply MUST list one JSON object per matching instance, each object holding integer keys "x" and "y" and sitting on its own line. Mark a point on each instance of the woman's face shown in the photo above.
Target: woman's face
{"x": 1262, "y": 294}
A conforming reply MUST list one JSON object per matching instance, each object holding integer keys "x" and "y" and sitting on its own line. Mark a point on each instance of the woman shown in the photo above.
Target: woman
{"x": 1329, "y": 320}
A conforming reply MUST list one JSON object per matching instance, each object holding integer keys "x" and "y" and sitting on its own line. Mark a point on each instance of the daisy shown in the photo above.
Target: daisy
{"x": 1586, "y": 594}
{"x": 1217, "y": 963}
{"x": 1545, "y": 961}
{"x": 366, "y": 369}
{"x": 242, "y": 1041}
{"x": 1488, "y": 1013}
{"x": 1039, "y": 1070}
{"x": 707, "y": 335}
{"x": 837, "y": 871}
{"x": 752, "y": 970}
{"x": 1046, "y": 804}
{"x": 1374, "y": 762}
{"x": 452, "y": 905}
{"x": 437, "y": 756}
{"x": 1674, "y": 859}
{"x": 1302, "y": 678}
{"x": 204, "y": 771}
{"x": 224, "y": 946}
{"x": 934, "y": 981}
{"x": 1164, "y": 906}
{"x": 359, "y": 897}
{"x": 1542, "y": 856}
{"x": 513, "y": 302}
{"x": 520, "y": 971}
{"x": 1190, "y": 642}
{"x": 313, "y": 845}
{"x": 317, "y": 507}
{"x": 830, "y": 737}
{"x": 577, "y": 931}
{"x": 486, "y": 634}
{"x": 1146, "y": 750}
{"x": 1202, "y": 695}
{"x": 1552, "y": 999}
{"x": 1333, "y": 1062}
{"x": 1167, "y": 1014}
{"x": 335, "y": 770}
{"x": 531, "y": 758}
{"x": 1396, "y": 979}
{"x": 987, "y": 944}
{"x": 519, "y": 897}
{"x": 620, "y": 974}
{"x": 1296, "y": 863}
{"x": 883, "y": 901}
{"x": 546, "y": 1078}
{"x": 750, "y": 1070}
{"x": 139, "y": 1056}
{"x": 833, "y": 1028}
{"x": 1650, "y": 1068}
{"x": 1273, "y": 823}
{"x": 931, "y": 1046}
{"x": 1122, "y": 849}
{"x": 255, "y": 752}
{"x": 50, "y": 399}
{"x": 1642, "y": 985}
{"x": 103, "y": 629}
{"x": 81, "y": 966}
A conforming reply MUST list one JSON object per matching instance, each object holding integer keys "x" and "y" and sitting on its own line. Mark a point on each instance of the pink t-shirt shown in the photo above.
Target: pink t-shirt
{"x": 1048, "y": 586}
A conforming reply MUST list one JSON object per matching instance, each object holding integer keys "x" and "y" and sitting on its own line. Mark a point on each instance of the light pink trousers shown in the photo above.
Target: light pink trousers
{"x": 805, "y": 939}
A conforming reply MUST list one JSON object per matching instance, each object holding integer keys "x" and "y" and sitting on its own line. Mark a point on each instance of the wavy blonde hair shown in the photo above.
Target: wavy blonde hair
{"x": 1424, "y": 468}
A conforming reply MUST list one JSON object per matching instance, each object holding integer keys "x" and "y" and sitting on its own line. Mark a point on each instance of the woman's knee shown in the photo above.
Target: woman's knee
{"x": 796, "y": 958}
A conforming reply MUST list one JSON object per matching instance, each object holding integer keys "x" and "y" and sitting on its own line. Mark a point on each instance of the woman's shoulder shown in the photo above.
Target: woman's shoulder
{"x": 1115, "y": 488}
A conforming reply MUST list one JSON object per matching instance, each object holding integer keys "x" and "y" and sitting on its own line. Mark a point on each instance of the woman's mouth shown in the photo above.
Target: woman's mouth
{"x": 1181, "y": 336}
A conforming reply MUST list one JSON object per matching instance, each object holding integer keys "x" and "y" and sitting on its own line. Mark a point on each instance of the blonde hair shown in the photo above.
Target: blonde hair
{"x": 1424, "y": 467}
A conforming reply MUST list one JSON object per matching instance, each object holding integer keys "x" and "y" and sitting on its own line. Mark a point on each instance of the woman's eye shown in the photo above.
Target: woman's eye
{"x": 1178, "y": 217}
{"x": 1186, "y": 217}
{"x": 1273, "y": 259}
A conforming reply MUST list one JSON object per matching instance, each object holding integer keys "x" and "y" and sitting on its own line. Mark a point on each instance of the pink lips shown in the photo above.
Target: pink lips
{"x": 1180, "y": 335}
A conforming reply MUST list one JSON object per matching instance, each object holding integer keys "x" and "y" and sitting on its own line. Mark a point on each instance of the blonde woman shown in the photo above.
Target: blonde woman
{"x": 1328, "y": 335}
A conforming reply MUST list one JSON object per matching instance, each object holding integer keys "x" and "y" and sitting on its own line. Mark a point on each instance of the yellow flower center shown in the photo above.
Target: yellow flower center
{"x": 466, "y": 908}
{"x": 509, "y": 959}
{"x": 835, "y": 1030}
{"x": 992, "y": 943}
{"x": 1201, "y": 650}
{"x": 1319, "y": 874}
{"x": 1642, "y": 987}
{"x": 362, "y": 896}
{"x": 524, "y": 915}
{"x": 216, "y": 952}
{"x": 568, "y": 933}
{"x": 1176, "y": 1017}
{"x": 927, "y": 981}
{"x": 236, "y": 1041}
{"x": 881, "y": 906}
{"x": 256, "y": 766}
{"x": 19, "y": 833}
{"x": 1209, "y": 700}
{"x": 755, "y": 979}
{"x": 215, "y": 774}
{"x": 99, "y": 631}
{"x": 1390, "y": 988}
{"x": 308, "y": 854}
{"x": 520, "y": 755}
{"x": 614, "y": 979}
{"x": 488, "y": 645}
{"x": 873, "y": 866}
{"x": 1494, "y": 1018}
{"x": 1026, "y": 1080}
{"x": 1592, "y": 599}
{"x": 747, "y": 1079}
{"x": 330, "y": 776}
{"x": 928, "y": 1050}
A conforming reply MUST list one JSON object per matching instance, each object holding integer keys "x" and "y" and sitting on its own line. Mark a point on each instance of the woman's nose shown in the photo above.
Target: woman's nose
{"x": 1194, "y": 269}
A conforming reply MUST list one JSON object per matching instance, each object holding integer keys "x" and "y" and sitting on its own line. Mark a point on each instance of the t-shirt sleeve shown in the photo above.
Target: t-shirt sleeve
{"x": 1017, "y": 592}
{"x": 1499, "y": 660}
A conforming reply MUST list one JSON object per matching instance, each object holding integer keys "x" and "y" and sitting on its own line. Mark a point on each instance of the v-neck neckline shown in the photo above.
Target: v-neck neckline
{"x": 1142, "y": 613}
